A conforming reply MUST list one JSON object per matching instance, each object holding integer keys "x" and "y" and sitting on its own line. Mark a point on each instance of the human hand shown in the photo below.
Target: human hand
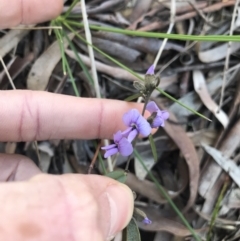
{"x": 45, "y": 207}
{"x": 63, "y": 207}
{"x": 15, "y": 12}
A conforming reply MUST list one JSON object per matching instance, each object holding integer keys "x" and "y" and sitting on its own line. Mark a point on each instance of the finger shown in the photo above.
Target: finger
{"x": 71, "y": 207}
{"x": 16, "y": 168}
{"x": 33, "y": 115}
{"x": 15, "y": 12}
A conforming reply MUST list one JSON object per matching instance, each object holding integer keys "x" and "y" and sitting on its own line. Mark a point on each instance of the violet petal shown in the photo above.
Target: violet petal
{"x": 132, "y": 135}
{"x": 165, "y": 115}
{"x": 158, "y": 121}
{"x": 108, "y": 147}
{"x": 147, "y": 221}
{"x": 131, "y": 117}
{"x": 110, "y": 152}
{"x": 152, "y": 107}
{"x": 126, "y": 132}
{"x": 125, "y": 147}
{"x": 151, "y": 70}
{"x": 143, "y": 126}
{"x": 117, "y": 137}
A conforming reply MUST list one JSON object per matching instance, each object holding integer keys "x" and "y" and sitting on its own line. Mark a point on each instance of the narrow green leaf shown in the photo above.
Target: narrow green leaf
{"x": 83, "y": 66}
{"x": 153, "y": 147}
{"x": 70, "y": 9}
{"x": 65, "y": 65}
{"x": 131, "y": 232}
{"x": 218, "y": 38}
{"x": 175, "y": 100}
{"x": 133, "y": 97}
{"x": 60, "y": 43}
{"x": 119, "y": 175}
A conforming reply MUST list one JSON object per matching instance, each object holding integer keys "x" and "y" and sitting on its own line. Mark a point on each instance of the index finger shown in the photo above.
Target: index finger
{"x": 15, "y": 12}
{"x": 36, "y": 115}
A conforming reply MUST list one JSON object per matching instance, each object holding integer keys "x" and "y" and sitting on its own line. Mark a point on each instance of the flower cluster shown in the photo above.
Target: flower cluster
{"x": 136, "y": 124}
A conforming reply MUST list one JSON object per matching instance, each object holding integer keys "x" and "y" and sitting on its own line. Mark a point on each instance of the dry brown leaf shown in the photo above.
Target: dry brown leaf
{"x": 140, "y": 8}
{"x": 217, "y": 220}
{"x": 201, "y": 88}
{"x": 11, "y": 40}
{"x": 42, "y": 69}
{"x": 192, "y": 100}
{"x": 218, "y": 53}
{"x": 212, "y": 177}
{"x": 145, "y": 188}
{"x": 149, "y": 189}
{"x": 16, "y": 67}
{"x": 116, "y": 49}
{"x": 161, "y": 223}
{"x": 188, "y": 150}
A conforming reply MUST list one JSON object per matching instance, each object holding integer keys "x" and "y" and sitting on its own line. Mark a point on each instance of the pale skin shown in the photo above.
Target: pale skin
{"x": 43, "y": 207}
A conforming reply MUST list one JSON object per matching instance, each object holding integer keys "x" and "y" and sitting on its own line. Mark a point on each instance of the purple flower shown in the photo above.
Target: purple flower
{"x": 137, "y": 125}
{"x": 122, "y": 145}
{"x": 151, "y": 70}
{"x": 146, "y": 221}
{"x": 159, "y": 116}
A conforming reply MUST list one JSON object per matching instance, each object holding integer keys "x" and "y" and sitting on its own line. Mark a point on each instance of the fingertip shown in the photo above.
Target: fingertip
{"x": 121, "y": 204}
{"x": 35, "y": 11}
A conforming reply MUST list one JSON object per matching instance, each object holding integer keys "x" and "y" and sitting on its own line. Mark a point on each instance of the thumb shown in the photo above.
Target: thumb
{"x": 63, "y": 208}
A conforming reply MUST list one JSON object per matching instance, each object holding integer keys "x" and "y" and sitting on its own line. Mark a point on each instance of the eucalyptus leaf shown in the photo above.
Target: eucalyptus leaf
{"x": 153, "y": 147}
{"x": 131, "y": 232}
{"x": 119, "y": 175}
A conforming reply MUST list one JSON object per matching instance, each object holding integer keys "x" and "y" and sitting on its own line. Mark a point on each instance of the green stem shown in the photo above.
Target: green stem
{"x": 175, "y": 100}
{"x": 216, "y": 211}
{"x": 70, "y": 9}
{"x": 165, "y": 194}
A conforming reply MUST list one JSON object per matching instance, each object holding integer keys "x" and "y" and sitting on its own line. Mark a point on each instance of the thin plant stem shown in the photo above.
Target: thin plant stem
{"x": 165, "y": 194}
{"x": 60, "y": 42}
{"x": 216, "y": 210}
{"x": 175, "y": 100}
{"x": 90, "y": 49}
{"x": 7, "y": 73}
{"x": 94, "y": 158}
{"x": 71, "y": 78}
{"x": 37, "y": 28}
{"x": 70, "y": 9}
{"x": 84, "y": 68}
{"x": 170, "y": 28}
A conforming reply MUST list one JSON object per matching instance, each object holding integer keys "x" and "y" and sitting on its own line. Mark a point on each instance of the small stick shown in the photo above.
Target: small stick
{"x": 94, "y": 158}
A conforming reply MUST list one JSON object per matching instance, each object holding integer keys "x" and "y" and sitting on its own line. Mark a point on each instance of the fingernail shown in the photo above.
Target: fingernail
{"x": 120, "y": 200}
